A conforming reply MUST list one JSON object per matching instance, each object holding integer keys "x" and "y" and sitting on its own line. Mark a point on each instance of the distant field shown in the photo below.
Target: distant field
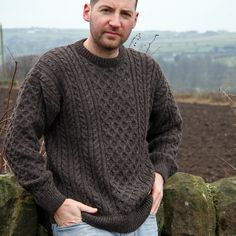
{"x": 227, "y": 60}
{"x": 203, "y": 98}
{"x": 194, "y": 43}
{"x": 37, "y": 40}
{"x": 191, "y": 61}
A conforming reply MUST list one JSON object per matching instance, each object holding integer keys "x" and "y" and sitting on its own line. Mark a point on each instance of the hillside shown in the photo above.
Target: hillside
{"x": 38, "y": 40}
{"x": 192, "y": 61}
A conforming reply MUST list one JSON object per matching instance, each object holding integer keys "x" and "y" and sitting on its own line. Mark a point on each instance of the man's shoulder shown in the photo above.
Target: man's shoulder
{"x": 139, "y": 54}
{"x": 49, "y": 63}
{"x": 136, "y": 52}
{"x": 56, "y": 53}
{"x": 144, "y": 57}
{"x": 56, "y": 58}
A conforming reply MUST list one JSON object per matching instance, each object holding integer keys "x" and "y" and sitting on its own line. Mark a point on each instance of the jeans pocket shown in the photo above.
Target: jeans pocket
{"x": 70, "y": 230}
{"x": 68, "y": 227}
{"x": 152, "y": 216}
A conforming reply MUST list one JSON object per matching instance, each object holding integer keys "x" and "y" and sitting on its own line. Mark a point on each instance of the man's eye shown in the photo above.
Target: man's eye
{"x": 125, "y": 14}
{"x": 105, "y": 10}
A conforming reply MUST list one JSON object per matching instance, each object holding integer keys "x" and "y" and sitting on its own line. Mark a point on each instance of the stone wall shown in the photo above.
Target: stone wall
{"x": 190, "y": 207}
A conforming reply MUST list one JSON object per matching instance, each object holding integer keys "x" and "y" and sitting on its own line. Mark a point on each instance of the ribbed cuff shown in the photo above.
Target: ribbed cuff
{"x": 162, "y": 169}
{"x": 50, "y": 199}
{"x": 163, "y": 165}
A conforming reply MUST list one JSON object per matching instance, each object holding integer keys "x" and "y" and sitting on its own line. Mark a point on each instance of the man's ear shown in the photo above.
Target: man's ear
{"x": 86, "y": 12}
{"x": 136, "y": 18}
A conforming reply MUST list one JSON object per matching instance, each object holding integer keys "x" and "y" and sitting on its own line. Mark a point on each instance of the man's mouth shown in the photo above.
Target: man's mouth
{"x": 112, "y": 33}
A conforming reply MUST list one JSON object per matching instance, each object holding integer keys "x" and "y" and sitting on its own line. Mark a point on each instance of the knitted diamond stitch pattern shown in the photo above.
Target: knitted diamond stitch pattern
{"x": 108, "y": 126}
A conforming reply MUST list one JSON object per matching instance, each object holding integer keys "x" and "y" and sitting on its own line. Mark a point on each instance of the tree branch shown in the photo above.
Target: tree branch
{"x": 4, "y": 167}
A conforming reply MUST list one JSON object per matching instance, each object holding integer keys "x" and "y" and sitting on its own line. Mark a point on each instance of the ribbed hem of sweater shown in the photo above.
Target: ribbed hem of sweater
{"x": 118, "y": 223}
{"x": 121, "y": 223}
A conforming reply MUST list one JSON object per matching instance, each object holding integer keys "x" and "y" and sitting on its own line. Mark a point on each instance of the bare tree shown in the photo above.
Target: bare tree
{"x": 5, "y": 118}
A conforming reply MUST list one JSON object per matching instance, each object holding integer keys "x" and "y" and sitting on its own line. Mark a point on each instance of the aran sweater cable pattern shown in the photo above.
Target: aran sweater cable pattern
{"x": 108, "y": 126}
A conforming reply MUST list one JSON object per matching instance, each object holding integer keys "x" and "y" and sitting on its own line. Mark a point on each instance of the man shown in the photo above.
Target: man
{"x": 111, "y": 129}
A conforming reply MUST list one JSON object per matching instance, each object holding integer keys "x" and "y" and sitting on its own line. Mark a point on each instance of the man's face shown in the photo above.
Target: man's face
{"x": 111, "y": 22}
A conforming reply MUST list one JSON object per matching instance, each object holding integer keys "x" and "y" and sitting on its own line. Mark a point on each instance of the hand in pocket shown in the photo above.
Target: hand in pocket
{"x": 69, "y": 212}
{"x": 157, "y": 193}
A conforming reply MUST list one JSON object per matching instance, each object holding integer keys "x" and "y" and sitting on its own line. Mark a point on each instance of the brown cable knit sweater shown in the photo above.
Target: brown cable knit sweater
{"x": 108, "y": 125}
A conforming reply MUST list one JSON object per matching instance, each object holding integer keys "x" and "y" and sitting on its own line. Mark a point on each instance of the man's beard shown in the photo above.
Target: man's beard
{"x": 104, "y": 42}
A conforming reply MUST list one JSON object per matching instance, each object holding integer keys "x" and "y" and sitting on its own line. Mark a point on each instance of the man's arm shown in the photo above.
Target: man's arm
{"x": 164, "y": 135}
{"x": 37, "y": 105}
{"x": 165, "y": 129}
{"x": 30, "y": 120}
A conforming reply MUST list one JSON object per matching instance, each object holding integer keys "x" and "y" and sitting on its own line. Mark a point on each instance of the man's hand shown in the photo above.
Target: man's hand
{"x": 157, "y": 193}
{"x": 70, "y": 212}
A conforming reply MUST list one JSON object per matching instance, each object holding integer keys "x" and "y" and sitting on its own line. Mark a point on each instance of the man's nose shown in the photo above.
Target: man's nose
{"x": 115, "y": 21}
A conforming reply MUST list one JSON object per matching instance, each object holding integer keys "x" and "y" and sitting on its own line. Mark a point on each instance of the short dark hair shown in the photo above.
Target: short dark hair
{"x": 92, "y": 2}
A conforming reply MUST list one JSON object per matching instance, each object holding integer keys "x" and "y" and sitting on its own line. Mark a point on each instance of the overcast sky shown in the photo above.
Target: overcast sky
{"x": 176, "y": 15}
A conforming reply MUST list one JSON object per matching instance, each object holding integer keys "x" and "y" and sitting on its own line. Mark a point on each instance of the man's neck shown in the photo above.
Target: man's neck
{"x": 91, "y": 47}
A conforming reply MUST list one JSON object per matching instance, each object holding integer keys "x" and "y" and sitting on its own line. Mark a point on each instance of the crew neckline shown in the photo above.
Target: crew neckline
{"x": 100, "y": 61}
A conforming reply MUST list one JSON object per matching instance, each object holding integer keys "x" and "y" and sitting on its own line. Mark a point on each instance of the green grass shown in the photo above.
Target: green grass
{"x": 228, "y": 60}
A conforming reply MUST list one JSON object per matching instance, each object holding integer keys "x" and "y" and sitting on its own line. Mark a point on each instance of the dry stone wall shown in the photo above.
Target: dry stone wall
{"x": 190, "y": 207}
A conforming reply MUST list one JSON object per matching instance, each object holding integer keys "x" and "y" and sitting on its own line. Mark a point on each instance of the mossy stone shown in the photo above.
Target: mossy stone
{"x": 225, "y": 202}
{"x": 18, "y": 215}
{"x": 188, "y": 207}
